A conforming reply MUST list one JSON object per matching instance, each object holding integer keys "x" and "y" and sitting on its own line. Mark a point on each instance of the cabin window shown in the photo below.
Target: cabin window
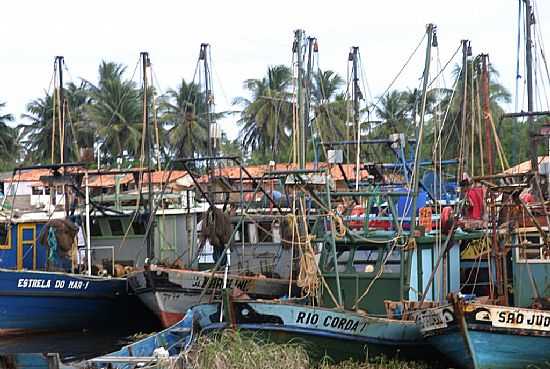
{"x": 393, "y": 262}
{"x": 532, "y": 250}
{"x": 5, "y": 237}
{"x": 251, "y": 234}
{"x": 138, "y": 227}
{"x": 365, "y": 259}
{"x": 343, "y": 258}
{"x": 116, "y": 227}
{"x": 264, "y": 232}
{"x": 95, "y": 229}
{"x": 36, "y": 190}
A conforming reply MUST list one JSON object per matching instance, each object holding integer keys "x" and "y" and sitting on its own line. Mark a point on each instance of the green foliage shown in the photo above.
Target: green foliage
{"x": 111, "y": 114}
{"x": 266, "y": 119}
{"x": 233, "y": 350}
{"x": 116, "y": 112}
{"x": 9, "y": 148}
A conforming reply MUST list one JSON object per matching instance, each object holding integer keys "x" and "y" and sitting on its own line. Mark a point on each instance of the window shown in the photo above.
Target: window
{"x": 5, "y": 236}
{"x": 532, "y": 249}
{"x": 264, "y": 232}
{"x": 342, "y": 256}
{"x": 95, "y": 229}
{"x": 138, "y": 227}
{"x": 365, "y": 259}
{"x": 116, "y": 227}
{"x": 37, "y": 190}
{"x": 393, "y": 262}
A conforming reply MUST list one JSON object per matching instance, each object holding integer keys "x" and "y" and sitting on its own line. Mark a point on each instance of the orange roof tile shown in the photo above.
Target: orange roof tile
{"x": 109, "y": 180}
{"x": 260, "y": 169}
{"x": 525, "y": 166}
{"x": 163, "y": 176}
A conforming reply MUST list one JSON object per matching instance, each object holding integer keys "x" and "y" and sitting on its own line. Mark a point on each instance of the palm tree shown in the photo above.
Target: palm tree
{"x": 8, "y": 140}
{"x": 394, "y": 109}
{"x": 182, "y": 113}
{"x": 266, "y": 118}
{"x": 36, "y": 136}
{"x": 450, "y": 102}
{"x": 330, "y": 108}
{"x": 82, "y": 131}
{"x": 115, "y": 110}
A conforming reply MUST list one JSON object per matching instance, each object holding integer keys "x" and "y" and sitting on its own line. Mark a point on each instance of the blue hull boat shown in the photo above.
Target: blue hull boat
{"x": 338, "y": 334}
{"x": 35, "y": 301}
{"x": 487, "y": 336}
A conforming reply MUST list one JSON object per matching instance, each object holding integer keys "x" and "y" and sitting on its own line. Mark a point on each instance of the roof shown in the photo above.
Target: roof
{"x": 31, "y": 175}
{"x": 525, "y": 166}
{"x": 109, "y": 180}
{"x": 162, "y": 176}
{"x": 261, "y": 169}
{"x": 98, "y": 180}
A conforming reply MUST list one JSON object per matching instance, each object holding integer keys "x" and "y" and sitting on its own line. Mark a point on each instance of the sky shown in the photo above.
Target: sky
{"x": 246, "y": 37}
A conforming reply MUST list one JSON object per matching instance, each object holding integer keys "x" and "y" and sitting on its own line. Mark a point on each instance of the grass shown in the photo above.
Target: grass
{"x": 232, "y": 350}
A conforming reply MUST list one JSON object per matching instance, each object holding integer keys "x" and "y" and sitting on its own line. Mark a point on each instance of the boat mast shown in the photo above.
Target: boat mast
{"x": 146, "y": 62}
{"x": 464, "y": 110}
{"x": 529, "y": 80}
{"x": 60, "y": 60}
{"x": 420, "y": 130}
{"x": 211, "y": 126}
{"x": 356, "y": 95}
{"x": 497, "y": 253}
{"x": 311, "y": 47}
{"x": 300, "y": 100}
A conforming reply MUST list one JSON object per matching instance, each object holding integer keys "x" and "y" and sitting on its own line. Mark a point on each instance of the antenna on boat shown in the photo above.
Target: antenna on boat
{"x": 145, "y": 63}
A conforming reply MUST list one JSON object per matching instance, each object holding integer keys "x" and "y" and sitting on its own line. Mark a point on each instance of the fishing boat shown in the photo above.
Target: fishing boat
{"x": 241, "y": 254}
{"x": 338, "y": 334}
{"x": 40, "y": 290}
{"x": 170, "y": 292}
{"x": 32, "y": 301}
{"x": 368, "y": 257}
{"x": 507, "y": 327}
{"x": 476, "y": 335}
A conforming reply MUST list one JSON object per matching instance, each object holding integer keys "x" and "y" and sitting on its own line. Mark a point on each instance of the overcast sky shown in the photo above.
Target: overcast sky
{"x": 246, "y": 37}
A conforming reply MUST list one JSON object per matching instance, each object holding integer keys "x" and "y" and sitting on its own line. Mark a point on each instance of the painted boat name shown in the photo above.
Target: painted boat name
{"x": 341, "y": 323}
{"x": 518, "y": 318}
{"x": 217, "y": 283}
{"x": 47, "y": 283}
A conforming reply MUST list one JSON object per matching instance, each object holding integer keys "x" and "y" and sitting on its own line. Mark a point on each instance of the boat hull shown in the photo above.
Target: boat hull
{"x": 33, "y": 301}
{"x": 340, "y": 335}
{"x": 170, "y": 292}
{"x": 486, "y": 336}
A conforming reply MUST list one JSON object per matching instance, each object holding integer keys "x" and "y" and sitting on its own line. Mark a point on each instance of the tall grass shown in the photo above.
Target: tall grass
{"x": 231, "y": 350}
